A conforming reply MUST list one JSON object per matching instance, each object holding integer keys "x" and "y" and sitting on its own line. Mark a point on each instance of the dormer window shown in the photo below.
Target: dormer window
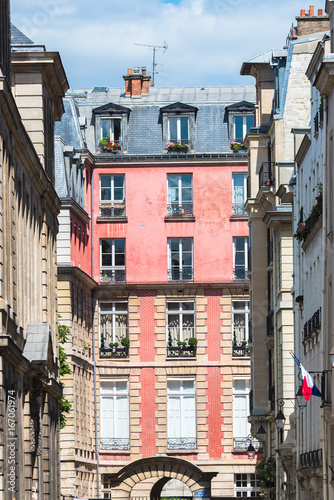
{"x": 240, "y": 120}
{"x": 111, "y": 127}
{"x": 178, "y": 125}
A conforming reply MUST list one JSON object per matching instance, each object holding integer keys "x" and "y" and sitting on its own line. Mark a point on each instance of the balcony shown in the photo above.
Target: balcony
{"x": 238, "y": 208}
{"x": 177, "y": 274}
{"x": 311, "y": 459}
{"x": 112, "y": 276}
{"x": 312, "y": 325}
{"x": 114, "y": 444}
{"x": 187, "y": 351}
{"x": 240, "y": 351}
{"x": 180, "y": 209}
{"x": 110, "y": 210}
{"x": 242, "y": 443}
{"x": 182, "y": 443}
{"x": 270, "y": 323}
{"x": 240, "y": 273}
{"x": 266, "y": 175}
{"x": 114, "y": 352}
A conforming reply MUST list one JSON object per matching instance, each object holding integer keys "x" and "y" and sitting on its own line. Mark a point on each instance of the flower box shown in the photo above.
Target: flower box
{"x": 177, "y": 148}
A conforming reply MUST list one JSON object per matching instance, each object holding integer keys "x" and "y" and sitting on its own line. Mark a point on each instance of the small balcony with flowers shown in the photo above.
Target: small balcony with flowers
{"x": 114, "y": 338}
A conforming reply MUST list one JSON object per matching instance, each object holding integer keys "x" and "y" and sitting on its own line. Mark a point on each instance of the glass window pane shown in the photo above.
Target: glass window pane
{"x": 174, "y": 244}
{"x": 119, "y": 246}
{"x": 184, "y": 129}
{"x": 238, "y": 180}
{"x": 173, "y": 129}
{"x": 173, "y": 386}
{"x": 238, "y": 120}
{"x": 186, "y": 244}
{"x": 119, "y": 181}
{"x": 118, "y": 194}
{"x": 173, "y": 306}
{"x": 105, "y": 180}
{"x": 240, "y": 244}
{"x": 117, "y": 130}
{"x": 188, "y": 306}
{"x": 175, "y": 258}
{"x": 105, "y": 127}
{"x": 187, "y": 195}
{"x": 249, "y": 122}
{"x": 239, "y": 305}
{"x": 105, "y": 194}
{"x": 187, "y": 180}
{"x": 173, "y": 180}
{"x": 188, "y": 386}
{"x": 120, "y": 306}
{"x": 106, "y": 246}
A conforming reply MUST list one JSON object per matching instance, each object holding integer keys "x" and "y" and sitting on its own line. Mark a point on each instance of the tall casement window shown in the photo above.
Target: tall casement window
{"x": 239, "y": 185}
{"x": 113, "y": 323}
{"x": 242, "y": 125}
{"x": 178, "y": 130}
{"x": 180, "y": 259}
{"x": 240, "y": 257}
{"x": 246, "y": 486}
{"x": 240, "y": 319}
{"x": 180, "y": 194}
{"x": 112, "y": 195}
{"x": 241, "y": 426}
{"x": 114, "y": 413}
{"x": 112, "y": 260}
{"x": 181, "y": 338}
{"x": 111, "y": 128}
{"x": 181, "y": 403}
{"x": 178, "y": 124}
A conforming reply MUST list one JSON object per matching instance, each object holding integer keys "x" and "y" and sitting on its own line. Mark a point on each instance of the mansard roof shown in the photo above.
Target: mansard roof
{"x": 178, "y": 107}
{"x": 241, "y": 106}
{"x": 111, "y": 108}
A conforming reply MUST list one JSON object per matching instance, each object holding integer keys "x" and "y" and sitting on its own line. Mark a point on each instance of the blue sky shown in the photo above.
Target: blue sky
{"x": 207, "y": 39}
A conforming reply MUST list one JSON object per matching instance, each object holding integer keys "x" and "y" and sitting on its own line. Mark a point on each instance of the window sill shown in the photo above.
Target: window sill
{"x": 114, "y": 452}
{"x": 238, "y": 217}
{"x": 182, "y": 452}
{"x": 123, "y": 219}
{"x": 180, "y": 218}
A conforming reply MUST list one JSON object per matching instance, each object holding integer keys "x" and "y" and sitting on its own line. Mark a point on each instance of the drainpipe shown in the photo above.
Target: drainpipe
{"x": 324, "y": 326}
{"x": 94, "y": 346}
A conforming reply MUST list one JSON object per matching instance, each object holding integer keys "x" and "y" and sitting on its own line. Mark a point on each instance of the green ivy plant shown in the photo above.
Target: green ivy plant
{"x": 64, "y": 369}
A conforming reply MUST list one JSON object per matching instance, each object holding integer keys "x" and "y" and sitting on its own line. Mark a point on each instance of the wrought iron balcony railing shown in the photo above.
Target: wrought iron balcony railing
{"x": 112, "y": 210}
{"x": 311, "y": 459}
{"x": 238, "y": 208}
{"x": 312, "y": 325}
{"x": 242, "y": 443}
{"x": 240, "y": 273}
{"x": 177, "y": 274}
{"x": 240, "y": 351}
{"x": 187, "y": 351}
{"x": 115, "y": 444}
{"x": 266, "y": 175}
{"x": 114, "y": 352}
{"x": 112, "y": 275}
{"x": 180, "y": 209}
{"x": 180, "y": 443}
{"x": 270, "y": 323}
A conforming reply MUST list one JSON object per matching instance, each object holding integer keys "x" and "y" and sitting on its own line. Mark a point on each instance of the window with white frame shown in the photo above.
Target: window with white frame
{"x": 111, "y": 130}
{"x": 114, "y": 415}
{"x": 112, "y": 260}
{"x": 179, "y": 194}
{"x": 181, "y": 410}
{"x": 240, "y": 257}
{"x": 113, "y": 323}
{"x": 180, "y": 322}
{"x": 180, "y": 259}
{"x": 239, "y": 186}
{"x": 240, "y": 318}
{"x": 112, "y": 195}
{"x": 178, "y": 129}
{"x": 246, "y": 486}
{"x": 242, "y": 125}
{"x": 241, "y": 426}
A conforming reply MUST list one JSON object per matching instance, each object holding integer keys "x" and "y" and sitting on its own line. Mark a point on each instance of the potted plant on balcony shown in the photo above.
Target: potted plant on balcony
{"x": 236, "y": 146}
{"x": 177, "y": 148}
{"x": 108, "y": 145}
{"x": 192, "y": 341}
{"x": 125, "y": 341}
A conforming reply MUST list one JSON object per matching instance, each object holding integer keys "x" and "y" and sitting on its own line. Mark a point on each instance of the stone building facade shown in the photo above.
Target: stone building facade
{"x": 157, "y": 240}
{"x": 32, "y": 84}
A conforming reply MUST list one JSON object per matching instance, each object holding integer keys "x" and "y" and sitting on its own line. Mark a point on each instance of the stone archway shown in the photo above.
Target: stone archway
{"x": 155, "y": 472}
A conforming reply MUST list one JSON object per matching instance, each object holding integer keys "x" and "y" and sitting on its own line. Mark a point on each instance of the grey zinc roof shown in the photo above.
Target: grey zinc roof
{"x": 226, "y": 95}
{"x": 68, "y": 128}
{"x": 18, "y": 38}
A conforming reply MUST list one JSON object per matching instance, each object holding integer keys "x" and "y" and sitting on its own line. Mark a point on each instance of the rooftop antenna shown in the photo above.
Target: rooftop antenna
{"x": 163, "y": 48}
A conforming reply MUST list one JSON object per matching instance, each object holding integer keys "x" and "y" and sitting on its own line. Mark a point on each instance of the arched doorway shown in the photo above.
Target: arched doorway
{"x": 146, "y": 479}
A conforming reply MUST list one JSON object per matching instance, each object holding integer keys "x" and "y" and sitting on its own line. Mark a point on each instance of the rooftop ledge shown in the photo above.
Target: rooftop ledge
{"x": 171, "y": 156}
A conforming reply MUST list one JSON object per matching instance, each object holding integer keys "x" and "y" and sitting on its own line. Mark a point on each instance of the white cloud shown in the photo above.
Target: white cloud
{"x": 207, "y": 39}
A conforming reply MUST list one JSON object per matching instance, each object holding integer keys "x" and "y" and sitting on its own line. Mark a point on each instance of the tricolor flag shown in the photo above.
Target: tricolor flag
{"x": 308, "y": 386}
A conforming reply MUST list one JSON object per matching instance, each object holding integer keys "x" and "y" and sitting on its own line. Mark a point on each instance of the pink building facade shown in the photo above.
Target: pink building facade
{"x": 164, "y": 347}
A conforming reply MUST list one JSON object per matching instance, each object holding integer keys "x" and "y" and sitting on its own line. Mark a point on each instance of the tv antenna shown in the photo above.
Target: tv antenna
{"x": 163, "y": 48}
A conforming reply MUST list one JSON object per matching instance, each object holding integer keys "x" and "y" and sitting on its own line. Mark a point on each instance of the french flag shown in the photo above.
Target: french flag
{"x": 308, "y": 386}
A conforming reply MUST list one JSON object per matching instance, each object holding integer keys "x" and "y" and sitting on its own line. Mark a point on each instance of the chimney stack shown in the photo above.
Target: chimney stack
{"x": 310, "y": 24}
{"x": 137, "y": 82}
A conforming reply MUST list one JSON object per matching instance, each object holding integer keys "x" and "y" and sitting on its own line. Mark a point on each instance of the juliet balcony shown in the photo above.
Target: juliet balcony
{"x": 115, "y": 444}
{"x": 183, "y": 209}
{"x": 184, "y": 274}
{"x": 109, "y": 276}
{"x": 110, "y": 210}
{"x": 182, "y": 443}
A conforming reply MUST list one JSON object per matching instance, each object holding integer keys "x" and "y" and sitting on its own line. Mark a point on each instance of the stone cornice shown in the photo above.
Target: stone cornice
{"x": 73, "y": 206}
{"x": 324, "y": 80}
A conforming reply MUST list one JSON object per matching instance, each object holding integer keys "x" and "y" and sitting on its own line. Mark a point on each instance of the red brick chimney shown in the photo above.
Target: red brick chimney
{"x": 137, "y": 83}
{"x": 310, "y": 24}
